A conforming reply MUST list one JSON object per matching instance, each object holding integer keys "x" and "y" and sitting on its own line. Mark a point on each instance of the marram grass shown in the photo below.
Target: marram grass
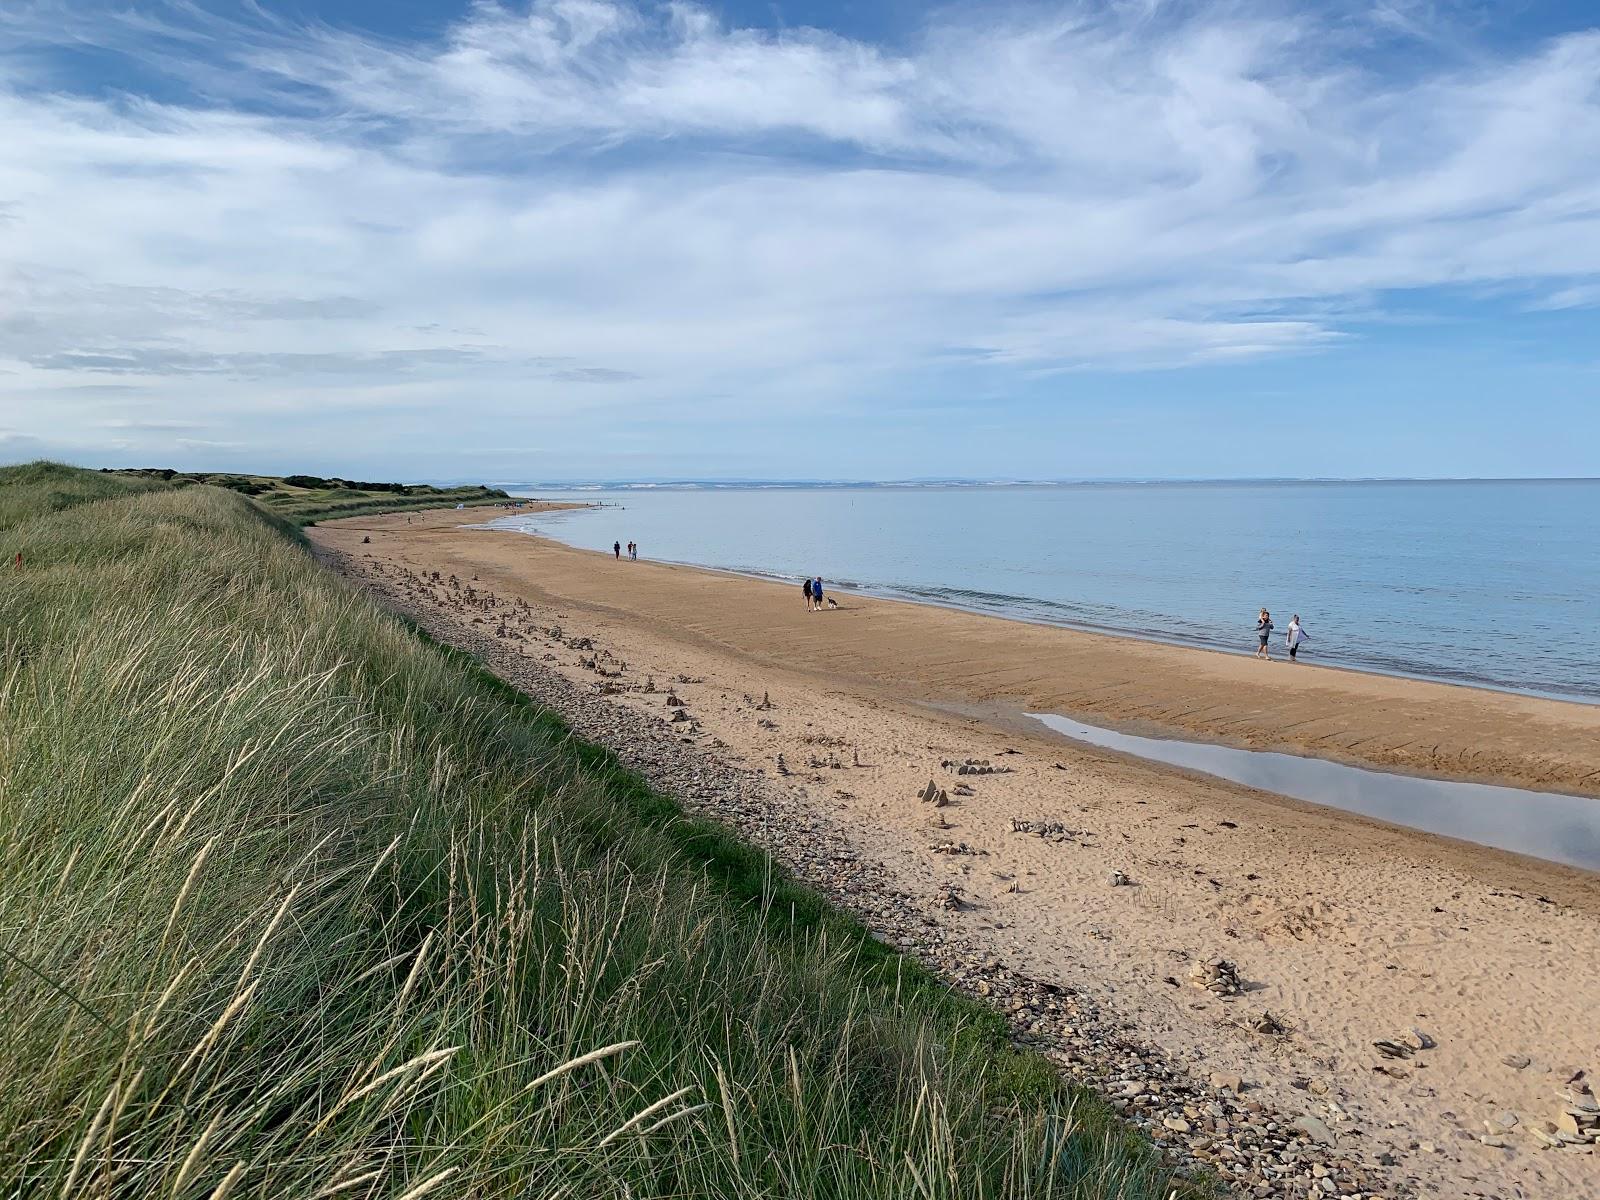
{"x": 296, "y": 904}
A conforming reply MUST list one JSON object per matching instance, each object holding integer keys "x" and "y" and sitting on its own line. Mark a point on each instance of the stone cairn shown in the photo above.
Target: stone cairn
{"x": 1578, "y": 1121}
{"x": 1218, "y": 976}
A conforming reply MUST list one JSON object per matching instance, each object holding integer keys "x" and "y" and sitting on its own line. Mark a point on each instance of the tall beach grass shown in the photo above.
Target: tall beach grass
{"x": 295, "y": 904}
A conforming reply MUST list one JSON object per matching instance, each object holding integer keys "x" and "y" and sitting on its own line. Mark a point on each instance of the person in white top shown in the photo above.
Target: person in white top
{"x": 1297, "y": 634}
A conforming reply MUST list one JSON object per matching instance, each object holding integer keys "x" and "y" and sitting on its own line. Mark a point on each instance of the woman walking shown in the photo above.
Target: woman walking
{"x": 1297, "y": 634}
{"x": 806, "y": 588}
{"x": 1263, "y": 632}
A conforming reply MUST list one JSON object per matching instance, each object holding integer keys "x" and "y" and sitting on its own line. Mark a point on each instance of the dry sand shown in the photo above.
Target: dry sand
{"x": 1349, "y": 930}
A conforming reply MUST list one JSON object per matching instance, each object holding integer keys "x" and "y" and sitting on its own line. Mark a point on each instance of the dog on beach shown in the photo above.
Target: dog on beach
{"x": 832, "y": 603}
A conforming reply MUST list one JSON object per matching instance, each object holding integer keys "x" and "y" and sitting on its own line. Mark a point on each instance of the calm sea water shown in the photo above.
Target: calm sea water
{"x": 1488, "y": 583}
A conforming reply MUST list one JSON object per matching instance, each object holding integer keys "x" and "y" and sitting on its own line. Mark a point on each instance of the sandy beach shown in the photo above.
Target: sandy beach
{"x": 1347, "y": 931}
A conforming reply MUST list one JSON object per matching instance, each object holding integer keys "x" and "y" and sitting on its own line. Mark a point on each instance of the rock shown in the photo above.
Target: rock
{"x": 1228, "y": 1083}
{"x": 1567, "y": 1123}
{"x": 1581, "y": 1100}
{"x": 1268, "y": 1024}
{"x": 1118, "y": 879}
{"x": 1316, "y": 1129}
{"x": 1417, "y": 1040}
{"x": 1544, "y": 1132}
{"x": 1516, "y": 1061}
{"x": 1176, "y": 1124}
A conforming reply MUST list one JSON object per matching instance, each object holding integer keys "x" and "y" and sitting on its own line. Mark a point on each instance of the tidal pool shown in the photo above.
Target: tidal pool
{"x": 1549, "y": 825}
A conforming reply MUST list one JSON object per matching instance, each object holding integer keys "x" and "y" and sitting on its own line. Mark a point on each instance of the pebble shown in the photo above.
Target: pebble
{"x": 1315, "y": 1128}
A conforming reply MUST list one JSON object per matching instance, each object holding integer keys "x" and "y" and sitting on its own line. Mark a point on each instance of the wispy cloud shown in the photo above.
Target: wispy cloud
{"x": 648, "y": 198}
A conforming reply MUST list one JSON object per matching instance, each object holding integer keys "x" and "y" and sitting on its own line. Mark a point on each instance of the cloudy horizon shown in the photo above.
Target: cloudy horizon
{"x": 597, "y": 239}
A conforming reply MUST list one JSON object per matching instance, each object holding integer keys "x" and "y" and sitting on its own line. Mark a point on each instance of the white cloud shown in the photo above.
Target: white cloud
{"x": 663, "y": 209}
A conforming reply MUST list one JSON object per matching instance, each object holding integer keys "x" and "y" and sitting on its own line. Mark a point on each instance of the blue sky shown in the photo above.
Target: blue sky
{"x": 604, "y": 239}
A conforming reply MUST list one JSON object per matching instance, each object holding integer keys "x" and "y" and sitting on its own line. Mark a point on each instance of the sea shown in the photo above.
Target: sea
{"x": 1490, "y": 583}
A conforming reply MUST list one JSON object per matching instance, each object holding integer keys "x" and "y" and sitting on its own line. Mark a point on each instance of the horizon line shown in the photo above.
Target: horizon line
{"x": 979, "y": 481}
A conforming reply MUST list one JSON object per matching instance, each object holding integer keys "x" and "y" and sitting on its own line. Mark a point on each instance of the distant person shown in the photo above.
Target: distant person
{"x": 816, "y": 592}
{"x": 633, "y": 551}
{"x": 616, "y": 549}
{"x": 1297, "y": 634}
{"x": 1263, "y": 632}
{"x": 806, "y": 588}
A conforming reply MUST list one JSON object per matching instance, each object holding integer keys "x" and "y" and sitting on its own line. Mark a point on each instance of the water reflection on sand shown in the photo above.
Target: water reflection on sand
{"x": 1563, "y": 829}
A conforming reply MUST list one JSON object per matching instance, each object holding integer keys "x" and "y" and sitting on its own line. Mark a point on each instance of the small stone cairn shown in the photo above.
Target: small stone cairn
{"x": 1577, "y": 1122}
{"x": 1218, "y": 976}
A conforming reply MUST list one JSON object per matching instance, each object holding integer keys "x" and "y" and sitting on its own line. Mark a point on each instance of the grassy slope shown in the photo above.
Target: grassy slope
{"x": 304, "y": 505}
{"x": 291, "y": 899}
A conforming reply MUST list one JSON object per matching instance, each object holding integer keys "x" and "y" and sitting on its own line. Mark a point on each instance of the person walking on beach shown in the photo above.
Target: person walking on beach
{"x": 633, "y": 551}
{"x": 806, "y": 588}
{"x": 816, "y": 593}
{"x": 616, "y": 549}
{"x": 1297, "y": 634}
{"x": 1263, "y": 632}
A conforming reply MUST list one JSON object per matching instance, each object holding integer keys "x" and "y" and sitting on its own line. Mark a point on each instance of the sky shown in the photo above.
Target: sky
{"x": 538, "y": 240}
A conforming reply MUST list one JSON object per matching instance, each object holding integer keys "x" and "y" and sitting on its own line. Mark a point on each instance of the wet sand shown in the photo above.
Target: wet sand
{"x": 1347, "y": 929}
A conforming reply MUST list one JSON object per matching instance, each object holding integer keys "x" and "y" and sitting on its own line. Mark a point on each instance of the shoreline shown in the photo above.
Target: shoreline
{"x": 1392, "y": 723}
{"x": 897, "y": 595}
{"x": 1346, "y": 929}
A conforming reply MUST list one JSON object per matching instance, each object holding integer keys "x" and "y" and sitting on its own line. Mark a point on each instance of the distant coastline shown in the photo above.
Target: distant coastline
{"x": 523, "y": 488}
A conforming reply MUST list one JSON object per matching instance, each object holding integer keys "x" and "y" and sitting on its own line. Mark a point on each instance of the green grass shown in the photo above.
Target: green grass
{"x": 37, "y": 489}
{"x": 294, "y": 903}
{"x": 304, "y": 500}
